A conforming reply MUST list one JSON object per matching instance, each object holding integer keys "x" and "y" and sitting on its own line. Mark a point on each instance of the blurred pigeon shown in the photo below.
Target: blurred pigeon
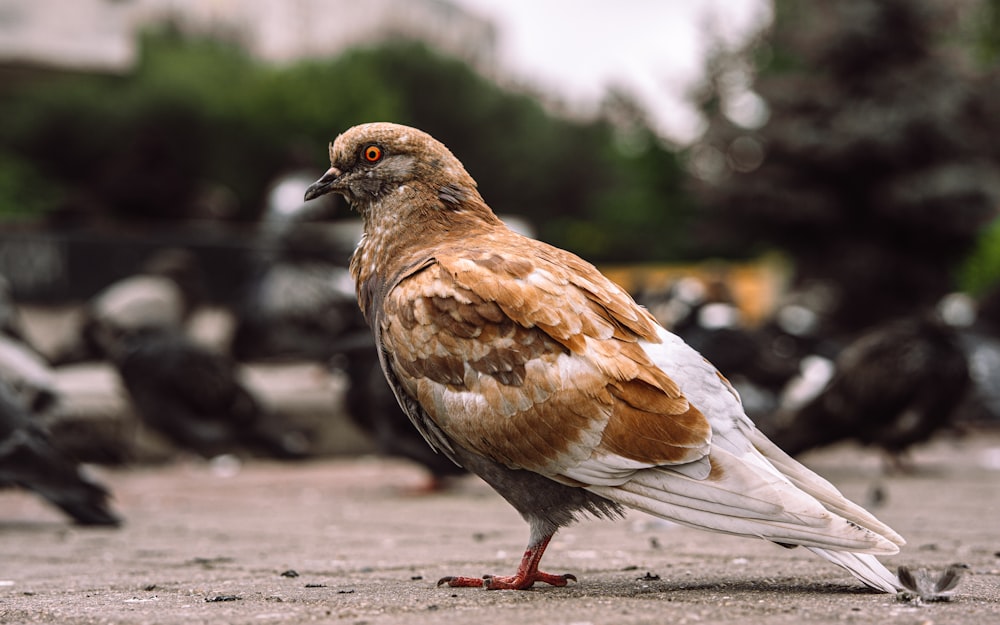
{"x": 525, "y": 365}
{"x": 194, "y": 396}
{"x": 10, "y": 318}
{"x": 294, "y": 310}
{"x": 707, "y": 319}
{"x": 29, "y": 375}
{"x": 29, "y": 461}
{"x": 302, "y": 304}
{"x": 301, "y": 295}
{"x": 163, "y": 294}
{"x": 981, "y": 341}
{"x": 21, "y": 363}
{"x": 372, "y": 406}
{"x": 894, "y": 386}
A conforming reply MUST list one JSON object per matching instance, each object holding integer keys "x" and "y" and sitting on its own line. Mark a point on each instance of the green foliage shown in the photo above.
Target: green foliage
{"x": 877, "y": 169}
{"x": 197, "y": 115}
{"x": 24, "y": 192}
{"x": 981, "y": 270}
{"x": 985, "y": 36}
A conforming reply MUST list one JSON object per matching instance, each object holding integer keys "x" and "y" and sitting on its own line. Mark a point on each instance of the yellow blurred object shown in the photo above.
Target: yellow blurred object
{"x": 755, "y": 285}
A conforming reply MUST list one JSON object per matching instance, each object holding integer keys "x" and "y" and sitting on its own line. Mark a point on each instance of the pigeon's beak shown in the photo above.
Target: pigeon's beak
{"x": 324, "y": 185}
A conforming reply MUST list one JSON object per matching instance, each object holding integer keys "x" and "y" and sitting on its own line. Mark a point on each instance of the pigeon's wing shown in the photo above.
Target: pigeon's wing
{"x": 528, "y": 356}
{"x": 535, "y": 361}
{"x": 193, "y": 382}
{"x": 753, "y": 488}
{"x": 208, "y": 382}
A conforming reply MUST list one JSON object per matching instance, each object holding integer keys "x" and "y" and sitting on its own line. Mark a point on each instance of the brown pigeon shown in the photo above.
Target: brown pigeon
{"x": 525, "y": 365}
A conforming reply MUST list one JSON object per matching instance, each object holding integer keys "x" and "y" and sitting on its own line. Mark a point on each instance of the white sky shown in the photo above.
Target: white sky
{"x": 653, "y": 48}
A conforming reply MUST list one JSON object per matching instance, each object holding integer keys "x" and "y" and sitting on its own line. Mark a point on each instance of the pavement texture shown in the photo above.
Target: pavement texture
{"x": 352, "y": 540}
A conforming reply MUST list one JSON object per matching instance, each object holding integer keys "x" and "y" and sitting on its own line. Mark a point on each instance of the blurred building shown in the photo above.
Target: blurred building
{"x": 102, "y": 34}
{"x": 83, "y": 34}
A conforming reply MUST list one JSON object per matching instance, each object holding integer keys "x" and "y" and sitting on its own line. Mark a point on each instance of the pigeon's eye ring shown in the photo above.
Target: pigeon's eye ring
{"x": 372, "y": 153}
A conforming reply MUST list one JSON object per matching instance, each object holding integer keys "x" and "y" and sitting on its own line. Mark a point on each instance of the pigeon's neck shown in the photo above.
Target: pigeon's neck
{"x": 405, "y": 228}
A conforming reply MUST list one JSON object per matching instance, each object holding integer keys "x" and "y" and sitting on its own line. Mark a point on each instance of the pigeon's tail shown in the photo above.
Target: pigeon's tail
{"x": 744, "y": 501}
{"x": 84, "y": 501}
{"x": 32, "y": 463}
{"x": 864, "y": 567}
{"x": 783, "y": 502}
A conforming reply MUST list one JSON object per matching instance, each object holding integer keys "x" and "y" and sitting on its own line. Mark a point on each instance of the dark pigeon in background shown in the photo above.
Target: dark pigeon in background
{"x": 896, "y": 385}
{"x": 706, "y": 316}
{"x": 29, "y": 375}
{"x": 300, "y": 296}
{"x": 28, "y": 396}
{"x": 29, "y": 461}
{"x": 10, "y": 318}
{"x": 301, "y": 304}
{"x": 162, "y": 294}
{"x": 193, "y": 396}
{"x": 372, "y": 406}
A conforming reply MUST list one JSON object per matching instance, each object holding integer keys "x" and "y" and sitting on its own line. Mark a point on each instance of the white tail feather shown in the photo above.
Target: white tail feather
{"x": 778, "y": 500}
{"x": 821, "y": 489}
{"x": 835, "y": 533}
{"x": 864, "y": 567}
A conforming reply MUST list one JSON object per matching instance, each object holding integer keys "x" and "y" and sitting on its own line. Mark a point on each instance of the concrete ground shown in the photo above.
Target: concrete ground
{"x": 349, "y": 540}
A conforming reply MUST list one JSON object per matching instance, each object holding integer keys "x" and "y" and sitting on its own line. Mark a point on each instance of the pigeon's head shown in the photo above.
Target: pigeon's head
{"x": 372, "y": 161}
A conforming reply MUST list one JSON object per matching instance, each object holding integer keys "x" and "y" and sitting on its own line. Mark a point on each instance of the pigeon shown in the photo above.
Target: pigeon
{"x": 29, "y": 375}
{"x": 293, "y": 310}
{"x": 28, "y": 460}
{"x": 193, "y": 395}
{"x": 527, "y": 366}
{"x": 894, "y": 386}
{"x": 162, "y": 294}
{"x": 300, "y": 294}
{"x": 10, "y": 317}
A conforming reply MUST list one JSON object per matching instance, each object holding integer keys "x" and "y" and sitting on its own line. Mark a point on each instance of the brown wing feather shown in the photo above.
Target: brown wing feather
{"x": 533, "y": 360}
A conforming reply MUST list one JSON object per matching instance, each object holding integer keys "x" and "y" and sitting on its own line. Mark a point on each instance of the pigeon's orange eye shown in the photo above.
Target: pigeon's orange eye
{"x": 372, "y": 153}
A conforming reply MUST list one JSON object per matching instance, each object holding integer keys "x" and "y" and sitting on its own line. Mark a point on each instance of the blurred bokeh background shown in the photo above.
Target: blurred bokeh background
{"x": 784, "y": 183}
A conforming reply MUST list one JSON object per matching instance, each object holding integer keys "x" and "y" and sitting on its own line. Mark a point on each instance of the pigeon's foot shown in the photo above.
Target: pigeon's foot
{"x": 507, "y": 582}
{"x": 526, "y": 576}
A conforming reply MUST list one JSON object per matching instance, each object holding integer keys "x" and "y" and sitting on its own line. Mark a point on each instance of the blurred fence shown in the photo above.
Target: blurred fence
{"x": 53, "y": 266}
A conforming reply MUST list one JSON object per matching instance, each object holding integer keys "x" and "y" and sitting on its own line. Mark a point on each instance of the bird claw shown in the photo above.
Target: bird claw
{"x": 507, "y": 582}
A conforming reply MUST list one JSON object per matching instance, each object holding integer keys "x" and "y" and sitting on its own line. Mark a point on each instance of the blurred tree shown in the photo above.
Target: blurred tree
{"x": 877, "y": 168}
{"x": 982, "y": 28}
{"x": 198, "y": 120}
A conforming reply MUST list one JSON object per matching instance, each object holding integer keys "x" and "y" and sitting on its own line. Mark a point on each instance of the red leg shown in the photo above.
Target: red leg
{"x": 526, "y": 576}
